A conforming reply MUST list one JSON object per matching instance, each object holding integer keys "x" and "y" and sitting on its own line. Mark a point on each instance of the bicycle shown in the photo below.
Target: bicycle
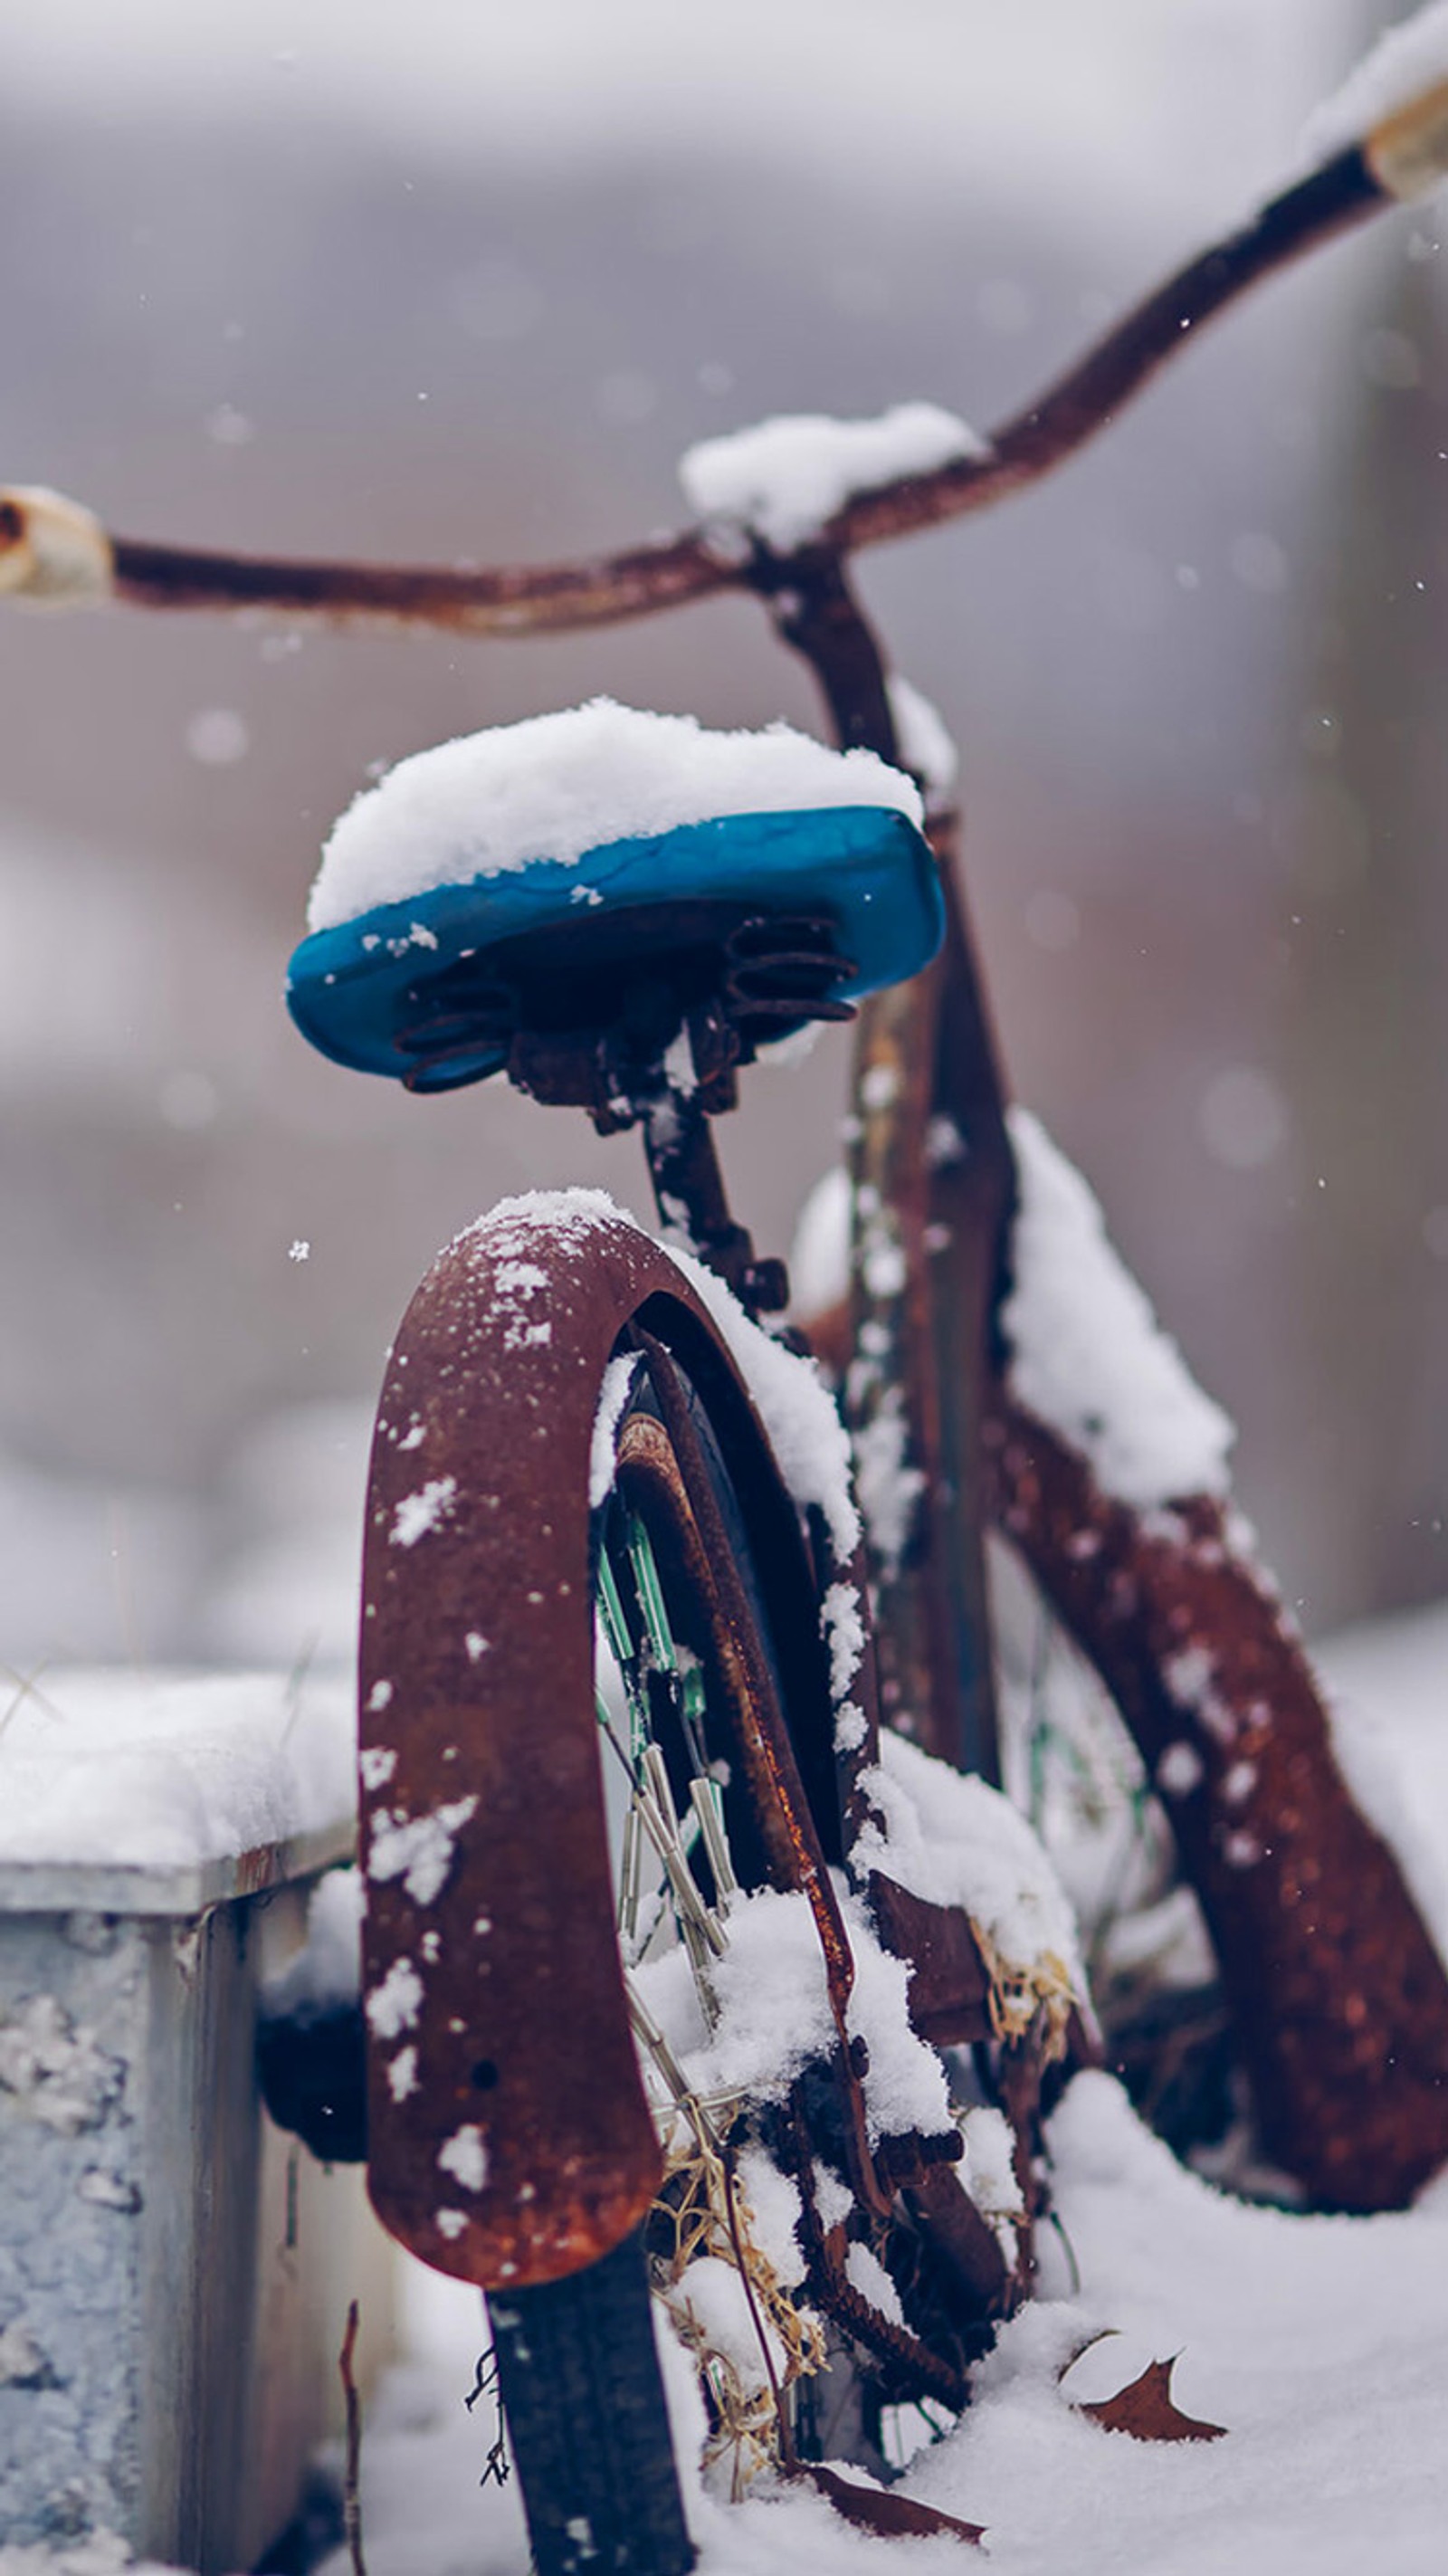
{"x": 658, "y": 1504}
{"x": 734, "y": 1691}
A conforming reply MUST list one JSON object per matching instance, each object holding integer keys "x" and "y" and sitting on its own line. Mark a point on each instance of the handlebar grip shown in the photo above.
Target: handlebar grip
{"x": 52, "y": 549}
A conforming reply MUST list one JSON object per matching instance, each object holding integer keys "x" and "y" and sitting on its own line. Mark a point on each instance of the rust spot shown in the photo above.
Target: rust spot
{"x": 255, "y": 1870}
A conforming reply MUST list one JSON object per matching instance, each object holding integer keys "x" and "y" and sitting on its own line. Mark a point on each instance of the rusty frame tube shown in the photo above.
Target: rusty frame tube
{"x": 1337, "y": 1993}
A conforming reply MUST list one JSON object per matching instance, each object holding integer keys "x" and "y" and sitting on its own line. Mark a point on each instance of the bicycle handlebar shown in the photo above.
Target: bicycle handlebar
{"x": 54, "y": 550}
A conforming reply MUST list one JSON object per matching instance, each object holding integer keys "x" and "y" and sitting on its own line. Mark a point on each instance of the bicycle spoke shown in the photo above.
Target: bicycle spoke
{"x": 651, "y": 1598}
{"x": 708, "y": 1805}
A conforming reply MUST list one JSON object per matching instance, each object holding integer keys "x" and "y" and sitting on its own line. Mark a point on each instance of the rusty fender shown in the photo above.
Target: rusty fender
{"x": 510, "y": 2136}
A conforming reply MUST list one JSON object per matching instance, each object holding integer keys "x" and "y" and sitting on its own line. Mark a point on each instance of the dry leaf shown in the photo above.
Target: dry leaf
{"x": 881, "y": 2509}
{"x": 1085, "y": 2343}
{"x": 1147, "y": 2412}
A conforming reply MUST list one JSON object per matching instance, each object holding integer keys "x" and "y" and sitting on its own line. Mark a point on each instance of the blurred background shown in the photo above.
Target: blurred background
{"x": 460, "y": 280}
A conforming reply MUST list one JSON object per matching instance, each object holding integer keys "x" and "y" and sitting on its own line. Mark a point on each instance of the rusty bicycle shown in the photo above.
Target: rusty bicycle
{"x": 612, "y": 1548}
{"x": 684, "y": 1978}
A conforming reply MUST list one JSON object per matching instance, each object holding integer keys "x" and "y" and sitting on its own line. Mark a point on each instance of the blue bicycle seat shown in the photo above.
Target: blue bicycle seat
{"x": 785, "y": 916}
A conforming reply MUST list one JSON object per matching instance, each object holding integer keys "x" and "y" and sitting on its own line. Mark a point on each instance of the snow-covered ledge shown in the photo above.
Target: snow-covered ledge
{"x": 173, "y": 2274}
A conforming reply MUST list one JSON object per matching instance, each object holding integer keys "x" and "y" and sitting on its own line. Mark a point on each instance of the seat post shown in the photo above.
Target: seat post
{"x": 689, "y": 1189}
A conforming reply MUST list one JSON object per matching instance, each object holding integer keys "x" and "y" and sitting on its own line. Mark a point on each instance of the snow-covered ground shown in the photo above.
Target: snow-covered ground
{"x": 1320, "y": 2344}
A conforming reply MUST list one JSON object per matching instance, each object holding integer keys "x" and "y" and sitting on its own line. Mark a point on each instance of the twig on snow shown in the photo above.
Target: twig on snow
{"x": 351, "y": 2495}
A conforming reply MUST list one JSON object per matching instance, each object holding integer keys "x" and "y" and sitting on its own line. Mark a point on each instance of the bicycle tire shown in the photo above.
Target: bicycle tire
{"x": 583, "y": 2405}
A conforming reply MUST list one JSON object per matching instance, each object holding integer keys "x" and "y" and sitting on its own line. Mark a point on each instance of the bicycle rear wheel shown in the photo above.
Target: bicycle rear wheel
{"x": 495, "y": 1994}
{"x": 705, "y": 1806}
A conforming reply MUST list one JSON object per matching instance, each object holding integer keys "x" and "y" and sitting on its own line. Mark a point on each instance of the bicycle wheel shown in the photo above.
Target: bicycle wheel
{"x": 704, "y": 1807}
{"x": 511, "y": 2140}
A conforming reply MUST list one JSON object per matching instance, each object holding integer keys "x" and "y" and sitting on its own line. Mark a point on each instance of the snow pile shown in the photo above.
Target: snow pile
{"x": 417, "y": 1849}
{"x": 326, "y": 1973}
{"x": 426, "y": 1510}
{"x": 511, "y": 1228}
{"x": 560, "y": 786}
{"x": 164, "y": 1771}
{"x": 889, "y": 1487}
{"x": 1321, "y": 2344}
{"x": 904, "y": 2082}
{"x": 1087, "y": 1354}
{"x": 1088, "y": 1357}
{"x": 613, "y": 1396}
{"x": 773, "y": 2208}
{"x": 1405, "y": 65}
{"x": 805, "y": 1432}
{"x": 990, "y": 2173}
{"x": 842, "y": 1625}
{"x": 954, "y": 1841}
{"x": 773, "y": 2009}
{"x": 784, "y": 479}
{"x": 713, "y": 2312}
{"x": 773, "y": 2014}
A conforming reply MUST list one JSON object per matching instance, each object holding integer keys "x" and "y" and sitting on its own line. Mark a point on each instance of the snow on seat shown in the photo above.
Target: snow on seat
{"x": 496, "y": 858}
